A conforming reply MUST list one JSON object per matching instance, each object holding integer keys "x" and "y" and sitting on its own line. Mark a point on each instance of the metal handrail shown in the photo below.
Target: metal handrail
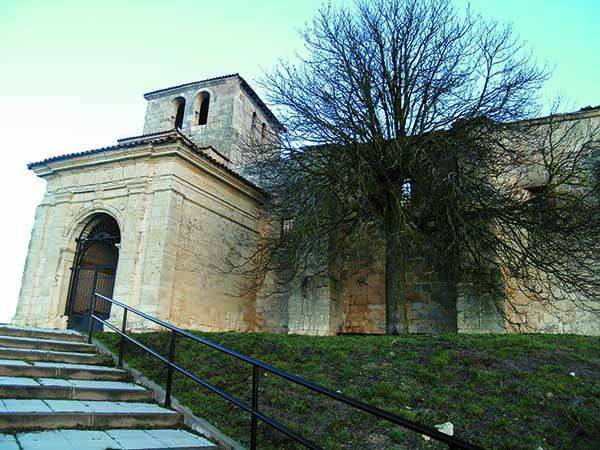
{"x": 453, "y": 442}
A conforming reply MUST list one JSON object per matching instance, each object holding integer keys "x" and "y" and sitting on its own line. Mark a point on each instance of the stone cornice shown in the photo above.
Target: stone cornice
{"x": 157, "y": 146}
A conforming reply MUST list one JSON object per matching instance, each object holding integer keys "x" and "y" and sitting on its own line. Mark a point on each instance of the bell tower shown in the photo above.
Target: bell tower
{"x": 219, "y": 112}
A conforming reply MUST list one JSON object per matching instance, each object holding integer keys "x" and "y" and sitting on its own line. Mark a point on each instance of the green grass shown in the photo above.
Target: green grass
{"x": 499, "y": 391}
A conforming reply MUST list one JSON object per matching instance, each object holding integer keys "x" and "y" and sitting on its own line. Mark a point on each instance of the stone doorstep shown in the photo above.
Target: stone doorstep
{"x": 30, "y": 354}
{"x": 42, "y": 333}
{"x": 101, "y": 440}
{"x": 19, "y": 368}
{"x": 17, "y": 414}
{"x": 45, "y": 344}
{"x": 56, "y": 388}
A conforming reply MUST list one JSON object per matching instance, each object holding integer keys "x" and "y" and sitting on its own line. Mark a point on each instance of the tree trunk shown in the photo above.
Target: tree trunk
{"x": 396, "y": 320}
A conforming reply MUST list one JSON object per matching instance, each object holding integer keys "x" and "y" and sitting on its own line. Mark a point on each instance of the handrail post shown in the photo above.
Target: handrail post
{"x": 122, "y": 344}
{"x": 91, "y": 306}
{"x": 170, "y": 370}
{"x": 254, "y": 420}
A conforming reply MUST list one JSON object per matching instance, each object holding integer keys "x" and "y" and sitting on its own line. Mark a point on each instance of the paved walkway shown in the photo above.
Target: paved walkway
{"x": 58, "y": 393}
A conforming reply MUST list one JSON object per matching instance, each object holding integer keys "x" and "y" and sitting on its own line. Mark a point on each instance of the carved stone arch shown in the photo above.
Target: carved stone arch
{"x": 208, "y": 90}
{"x": 178, "y": 106}
{"x": 203, "y": 100}
{"x": 82, "y": 218}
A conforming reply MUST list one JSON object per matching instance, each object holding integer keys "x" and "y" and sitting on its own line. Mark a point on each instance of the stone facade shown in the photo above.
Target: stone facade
{"x": 181, "y": 205}
{"x": 174, "y": 207}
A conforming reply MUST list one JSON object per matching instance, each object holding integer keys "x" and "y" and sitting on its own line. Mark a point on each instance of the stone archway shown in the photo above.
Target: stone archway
{"x": 94, "y": 269}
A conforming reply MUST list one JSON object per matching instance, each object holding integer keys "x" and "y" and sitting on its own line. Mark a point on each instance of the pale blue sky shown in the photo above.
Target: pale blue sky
{"x": 72, "y": 73}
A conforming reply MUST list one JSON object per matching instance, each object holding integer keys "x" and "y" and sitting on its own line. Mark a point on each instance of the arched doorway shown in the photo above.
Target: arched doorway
{"x": 94, "y": 269}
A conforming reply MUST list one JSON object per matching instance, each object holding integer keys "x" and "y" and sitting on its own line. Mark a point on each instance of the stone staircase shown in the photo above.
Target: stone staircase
{"x": 57, "y": 392}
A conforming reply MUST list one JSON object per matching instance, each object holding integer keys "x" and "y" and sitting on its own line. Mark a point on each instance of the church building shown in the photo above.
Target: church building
{"x": 149, "y": 220}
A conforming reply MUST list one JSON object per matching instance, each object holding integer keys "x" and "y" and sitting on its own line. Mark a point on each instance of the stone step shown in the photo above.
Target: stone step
{"x": 58, "y": 388}
{"x": 41, "y": 333}
{"x": 19, "y": 414}
{"x": 29, "y": 354}
{"x": 99, "y": 440}
{"x": 20, "y": 368}
{"x": 46, "y": 344}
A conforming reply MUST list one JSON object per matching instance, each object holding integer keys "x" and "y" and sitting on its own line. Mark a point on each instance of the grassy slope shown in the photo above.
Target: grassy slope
{"x": 511, "y": 391}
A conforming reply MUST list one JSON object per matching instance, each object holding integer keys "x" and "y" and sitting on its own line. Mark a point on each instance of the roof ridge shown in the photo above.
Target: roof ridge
{"x": 220, "y": 77}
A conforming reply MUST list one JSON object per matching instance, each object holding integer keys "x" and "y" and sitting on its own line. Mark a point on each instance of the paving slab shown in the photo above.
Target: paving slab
{"x": 48, "y": 440}
{"x": 89, "y": 440}
{"x": 43, "y": 333}
{"x": 42, "y": 369}
{"x": 24, "y": 406}
{"x": 167, "y": 439}
{"x": 114, "y": 385}
{"x": 46, "y": 344}
{"x": 61, "y": 365}
{"x": 14, "y": 362}
{"x": 32, "y": 354}
{"x": 64, "y": 389}
{"x": 179, "y": 438}
{"x": 54, "y": 414}
{"x": 159, "y": 439}
{"x": 18, "y": 381}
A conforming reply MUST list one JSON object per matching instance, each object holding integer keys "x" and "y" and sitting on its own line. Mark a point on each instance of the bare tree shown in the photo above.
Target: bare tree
{"x": 405, "y": 124}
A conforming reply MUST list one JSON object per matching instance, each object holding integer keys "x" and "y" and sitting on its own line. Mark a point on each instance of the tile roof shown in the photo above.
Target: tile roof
{"x": 162, "y": 137}
{"x": 243, "y": 83}
{"x": 160, "y": 91}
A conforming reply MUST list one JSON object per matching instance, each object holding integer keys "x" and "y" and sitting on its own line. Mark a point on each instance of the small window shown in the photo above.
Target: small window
{"x": 287, "y": 225}
{"x": 178, "y": 111}
{"x": 263, "y": 131}
{"x": 406, "y": 191}
{"x": 253, "y": 124}
{"x": 541, "y": 198}
{"x": 201, "y": 107}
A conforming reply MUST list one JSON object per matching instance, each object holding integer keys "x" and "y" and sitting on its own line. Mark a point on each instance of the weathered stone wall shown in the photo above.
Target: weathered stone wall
{"x": 311, "y": 307}
{"x": 363, "y": 296}
{"x": 430, "y": 293}
{"x": 208, "y": 218}
{"x": 477, "y": 313}
{"x": 272, "y": 309}
{"x": 564, "y": 316}
{"x": 120, "y": 189}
